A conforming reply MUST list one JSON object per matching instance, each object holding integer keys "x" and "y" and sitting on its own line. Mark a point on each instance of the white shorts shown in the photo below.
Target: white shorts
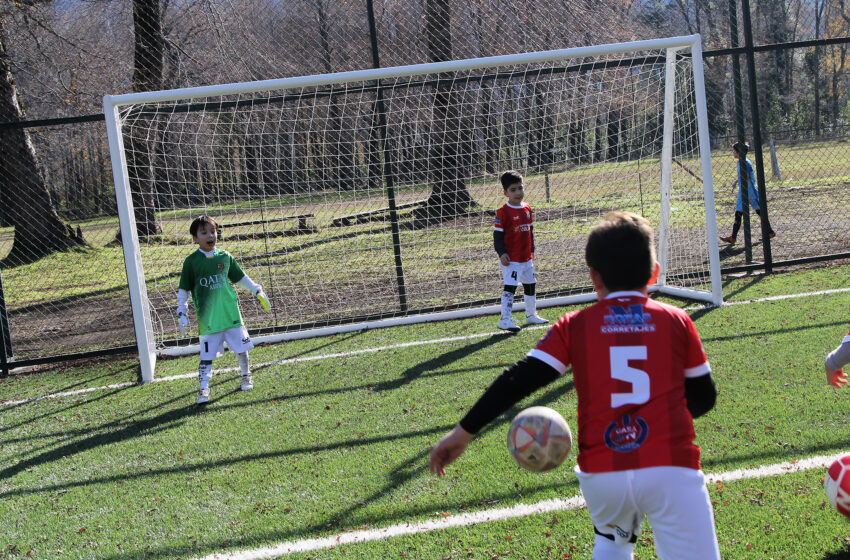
{"x": 674, "y": 498}
{"x": 237, "y": 339}
{"x": 517, "y": 272}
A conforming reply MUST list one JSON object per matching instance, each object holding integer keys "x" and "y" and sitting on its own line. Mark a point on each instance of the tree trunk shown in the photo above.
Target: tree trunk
{"x": 39, "y": 230}
{"x": 450, "y": 148}
{"x": 147, "y": 76}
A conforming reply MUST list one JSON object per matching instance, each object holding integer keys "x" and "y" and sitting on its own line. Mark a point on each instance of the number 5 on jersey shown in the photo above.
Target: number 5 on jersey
{"x": 622, "y": 371}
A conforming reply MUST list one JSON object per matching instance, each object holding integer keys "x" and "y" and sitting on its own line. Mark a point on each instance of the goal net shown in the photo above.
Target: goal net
{"x": 367, "y": 198}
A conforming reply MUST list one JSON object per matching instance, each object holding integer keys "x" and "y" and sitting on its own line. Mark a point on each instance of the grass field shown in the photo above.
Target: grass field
{"x": 327, "y": 457}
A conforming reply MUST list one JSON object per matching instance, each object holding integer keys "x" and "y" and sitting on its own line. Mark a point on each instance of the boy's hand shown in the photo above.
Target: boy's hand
{"x": 450, "y": 447}
{"x": 505, "y": 259}
{"x": 264, "y": 301}
{"x": 184, "y": 322}
{"x": 836, "y": 378}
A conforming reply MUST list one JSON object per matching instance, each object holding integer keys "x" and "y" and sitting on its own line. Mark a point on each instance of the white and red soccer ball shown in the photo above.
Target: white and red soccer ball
{"x": 837, "y": 484}
{"x": 539, "y": 439}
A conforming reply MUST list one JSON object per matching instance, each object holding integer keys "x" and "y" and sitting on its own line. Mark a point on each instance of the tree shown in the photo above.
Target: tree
{"x": 452, "y": 138}
{"x": 39, "y": 231}
{"x": 147, "y": 76}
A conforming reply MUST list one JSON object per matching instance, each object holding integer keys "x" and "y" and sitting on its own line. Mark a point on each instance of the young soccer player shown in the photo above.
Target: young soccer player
{"x": 835, "y": 362}
{"x": 207, "y": 274}
{"x": 738, "y": 149}
{"x": 513, "y": 239}
{"x": 641, "y": 377}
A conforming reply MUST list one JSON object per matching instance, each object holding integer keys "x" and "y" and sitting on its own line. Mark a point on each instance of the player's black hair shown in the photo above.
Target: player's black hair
{"x": 621, "y": 249}
{"x": 509, "y": 178}
{"x": 741, "y": 147}
{"x": 202, "y": 220}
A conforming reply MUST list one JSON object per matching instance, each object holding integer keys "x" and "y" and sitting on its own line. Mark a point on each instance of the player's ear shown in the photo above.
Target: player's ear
{"x": 596, "y": 278}
{"x": 654, "y": 278}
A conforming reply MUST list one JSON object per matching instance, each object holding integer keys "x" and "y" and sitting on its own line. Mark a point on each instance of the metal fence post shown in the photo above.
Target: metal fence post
{"x": 388, "y": 166}
{"x": 757, "y": 141}
{"x": 5, "y": 335}
{"x": 741, "y": 127}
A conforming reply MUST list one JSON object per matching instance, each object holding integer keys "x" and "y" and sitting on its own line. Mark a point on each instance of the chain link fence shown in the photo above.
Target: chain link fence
{"x": 62, "y": 271}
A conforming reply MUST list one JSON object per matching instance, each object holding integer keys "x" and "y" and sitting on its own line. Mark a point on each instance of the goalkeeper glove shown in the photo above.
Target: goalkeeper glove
{"x": 264, "y": 301}
{"x": 836, "y": 378}
{"x": 183, "y": 320}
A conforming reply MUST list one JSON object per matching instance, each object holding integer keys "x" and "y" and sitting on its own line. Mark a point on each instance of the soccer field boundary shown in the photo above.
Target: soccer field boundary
{"x": 448, "y": 521}
{"x": 373, "y": 350}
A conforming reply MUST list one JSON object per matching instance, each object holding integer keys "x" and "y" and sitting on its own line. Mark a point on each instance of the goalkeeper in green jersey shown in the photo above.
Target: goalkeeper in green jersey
{"x": 207, "y": 274}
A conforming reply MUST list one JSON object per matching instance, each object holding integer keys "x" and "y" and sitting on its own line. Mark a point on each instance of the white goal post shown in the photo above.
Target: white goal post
{"x": 365, "y": 199}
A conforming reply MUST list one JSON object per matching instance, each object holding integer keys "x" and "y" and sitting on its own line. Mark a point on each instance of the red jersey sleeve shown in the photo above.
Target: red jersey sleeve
{"x": 499, "y": 224}
{"x": 554, "y": 346}
{"x": 696, "y": 362}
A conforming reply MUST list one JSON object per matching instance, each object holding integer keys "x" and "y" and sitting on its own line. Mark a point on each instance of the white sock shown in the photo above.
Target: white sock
{"x": 243, "y": 363}
{"x": 530, "y": 305}
{"x": 606, "y": 549}
{"x": 507, "y": 304}
{"x": 205, "y": 374}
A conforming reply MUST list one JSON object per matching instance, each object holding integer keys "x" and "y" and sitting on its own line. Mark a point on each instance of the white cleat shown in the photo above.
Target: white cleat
{"x": 203, "y": 396}
{"x": 535, "y": 320}
{"x": 508, "y": 325}
{"x": 247, "y": 383}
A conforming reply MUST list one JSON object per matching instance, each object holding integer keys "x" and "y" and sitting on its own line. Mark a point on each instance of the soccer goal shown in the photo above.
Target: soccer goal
{"x": 366, "y": 199}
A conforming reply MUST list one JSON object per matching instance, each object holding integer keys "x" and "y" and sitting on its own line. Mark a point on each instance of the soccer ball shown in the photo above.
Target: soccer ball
{"x": 837, "y": 484}
{"x": 539, "y": 439}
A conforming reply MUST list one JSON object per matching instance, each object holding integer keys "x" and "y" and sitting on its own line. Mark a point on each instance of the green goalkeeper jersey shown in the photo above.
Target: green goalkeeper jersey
{"x": 209, "y": 280}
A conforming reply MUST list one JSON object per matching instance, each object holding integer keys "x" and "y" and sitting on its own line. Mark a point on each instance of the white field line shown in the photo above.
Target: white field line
{"x": 373, "y": 350}
{"x": 447, "y": 521}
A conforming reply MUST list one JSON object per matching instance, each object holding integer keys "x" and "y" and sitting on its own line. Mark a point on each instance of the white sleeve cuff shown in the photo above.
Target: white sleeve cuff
{"x": 549, "y": 359}
{"x": 249, "y": 285}
{"x": 698, "y": 371}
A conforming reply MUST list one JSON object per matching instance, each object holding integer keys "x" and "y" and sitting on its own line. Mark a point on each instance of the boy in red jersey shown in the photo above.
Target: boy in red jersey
{"x": 641, "y": 376}
{"x": 513, "y": 239}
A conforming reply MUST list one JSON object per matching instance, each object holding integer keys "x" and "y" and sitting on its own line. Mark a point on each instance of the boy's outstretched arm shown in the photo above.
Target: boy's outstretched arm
{"x": 249, "y": 285}
{"x": 514, "y": 384}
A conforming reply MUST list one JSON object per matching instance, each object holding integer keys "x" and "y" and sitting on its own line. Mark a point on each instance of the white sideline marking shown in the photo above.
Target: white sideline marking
{"x": 376, "y": 349}
{"x": 779, "y": 298}
{"x": 485, "y": 516}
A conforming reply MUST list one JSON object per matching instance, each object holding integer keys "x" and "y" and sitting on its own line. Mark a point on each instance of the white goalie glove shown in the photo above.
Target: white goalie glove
{"x": 182, "y": 312}
{"x": 184, "y": 322}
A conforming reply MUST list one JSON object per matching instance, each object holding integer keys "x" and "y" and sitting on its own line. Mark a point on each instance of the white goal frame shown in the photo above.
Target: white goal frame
{"x": 142, "y": 318}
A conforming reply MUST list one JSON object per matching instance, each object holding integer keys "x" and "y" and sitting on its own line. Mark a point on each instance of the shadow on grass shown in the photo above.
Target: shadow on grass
{"x": 126, "y": 429}
{"x": 838, "y": 555}
{"x": 66, "y": 389}
{"x": 438, "y": 361}
{"x": 349, "y": 516}
{"x": 126, "y": 424}
{"x": 736, "y": 335}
